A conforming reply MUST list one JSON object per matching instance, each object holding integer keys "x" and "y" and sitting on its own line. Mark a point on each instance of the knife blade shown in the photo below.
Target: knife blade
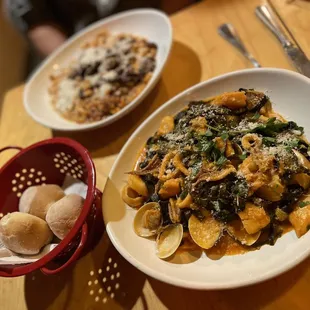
{"x": 229, "y": 33}
{"x": 299, "y": 59}
{"x": 294, "y": 52}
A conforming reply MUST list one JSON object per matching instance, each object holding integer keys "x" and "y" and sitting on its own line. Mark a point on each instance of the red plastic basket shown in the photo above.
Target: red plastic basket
{"x": 48, "y": 162}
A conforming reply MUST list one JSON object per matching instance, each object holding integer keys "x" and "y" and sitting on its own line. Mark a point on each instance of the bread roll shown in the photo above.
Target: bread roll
{"x": 37, "y": 199}
{"x": 24, "y": 233}
{"x": 62, "y": 215}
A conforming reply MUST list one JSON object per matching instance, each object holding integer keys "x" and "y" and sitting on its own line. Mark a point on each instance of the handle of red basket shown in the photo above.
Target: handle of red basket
{"x": 74, "y": 256}
{"x": 11, "y": 148}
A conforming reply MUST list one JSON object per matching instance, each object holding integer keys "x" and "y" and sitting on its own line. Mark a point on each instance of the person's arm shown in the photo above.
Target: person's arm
{"x": 46, "y": 38}
{"x": 171, "y": 6}
{"x": 35, "y": 21}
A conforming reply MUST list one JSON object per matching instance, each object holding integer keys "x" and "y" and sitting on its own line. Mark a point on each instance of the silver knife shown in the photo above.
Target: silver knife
{"x": 229, "y": 33}
{"x": 296, "y": 55}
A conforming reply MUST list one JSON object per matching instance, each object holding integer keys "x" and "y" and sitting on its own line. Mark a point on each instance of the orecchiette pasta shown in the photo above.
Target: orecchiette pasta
{"x": 232, "y": 100}
{"x": 250, "y": 141}
{"x": 185, "y": 203}
{"x": 229, "y": 151}
{"x": 220, "y": 144}
{"x": 300, "y": 217}
{"x": 254, "y": 218}
{"x": 170, "y": 188}
{"x": 166, "y": 125}
{"x": 131, "y": 197}
{"x": 199, "y": 124}
{"x": 272, "y": 191}
{"x": 257, "y": 169}
{"x": 302, "y": 179}
{"x": 137, "y": 184}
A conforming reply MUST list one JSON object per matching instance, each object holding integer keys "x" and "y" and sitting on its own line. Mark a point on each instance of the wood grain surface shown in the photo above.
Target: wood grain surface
{"x": 102, "y": 279}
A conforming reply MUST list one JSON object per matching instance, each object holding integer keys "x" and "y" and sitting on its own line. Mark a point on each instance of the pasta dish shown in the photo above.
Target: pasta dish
{"x": 108, "y": 72}
{"x": 227, "y": 175}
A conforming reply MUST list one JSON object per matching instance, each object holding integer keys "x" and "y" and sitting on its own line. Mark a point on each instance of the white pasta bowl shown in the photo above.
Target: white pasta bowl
{"x": 154, "y": 25}
{"x": 290, "y": 93}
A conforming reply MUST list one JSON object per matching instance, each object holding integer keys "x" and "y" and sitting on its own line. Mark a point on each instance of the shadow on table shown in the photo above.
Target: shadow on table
{"x": 41, "y": 291}
{"x": 183, "y": 70}
{"x": 252, "y": 297}
{"x": 100, "y": 280}
{"x": 120, "y": 282}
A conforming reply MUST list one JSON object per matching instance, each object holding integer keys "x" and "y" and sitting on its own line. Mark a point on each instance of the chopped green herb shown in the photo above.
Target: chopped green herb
{"x": 195, "y": 169}
{"x": 208, "y": 147}
{"x": 183, "y": 194}
{"x": 269, "y": 141}
{"x": 302, "y": 204}
{"x": 215, "y": 154}
{"x": 271, "y": 120}
{"x": 214, "y": 128}
{"x": 221, "y": 160}
{"x": 225, "y": 136}
{"x": 271, "y": 127}
{"x": 205, "y": 145}
{"x": 255, "y": 117}
{"x": 242, "y": 156}
{"x": 289, "y": 145}
{"x": 209, "y": 133}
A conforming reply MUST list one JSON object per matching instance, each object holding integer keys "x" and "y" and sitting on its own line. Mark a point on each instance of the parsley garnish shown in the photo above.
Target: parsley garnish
{"x": 269, "y": 141}
{"x": 209, "y": 133}
{"x": 183, "y": 194}
{"x": 221, "y": 160}
{"x": 211, "y": 151}
{"x": 195, "y": 169}
{"x": 271, "y": 127}
{"x": 255, "y": 117}
{"x": 242, "y": 156}
{"x": 289, "y": 145}
{"x": 225, "y": 136}
{"x": 302, "y": 204}
{"x": 205, "y": 145}
{"x": 213, "y": 128}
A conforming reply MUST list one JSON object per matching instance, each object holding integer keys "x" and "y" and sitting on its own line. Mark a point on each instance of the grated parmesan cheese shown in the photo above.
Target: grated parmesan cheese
{"x": 92, "y": 54}
{"x": 285, "y": 137}
{"x": 103, "y": 90}
{"x": 246, "y": 125}
{"x": 67, "y": 92}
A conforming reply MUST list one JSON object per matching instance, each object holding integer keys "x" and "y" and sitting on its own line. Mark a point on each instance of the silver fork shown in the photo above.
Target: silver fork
{"x": 228, "y": 32}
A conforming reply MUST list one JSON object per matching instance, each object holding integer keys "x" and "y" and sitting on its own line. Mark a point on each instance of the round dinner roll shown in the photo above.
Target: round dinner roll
{"x": 37, "y": 199}
{"x": 24, "y": 233}
{"x": 62, "y": 215}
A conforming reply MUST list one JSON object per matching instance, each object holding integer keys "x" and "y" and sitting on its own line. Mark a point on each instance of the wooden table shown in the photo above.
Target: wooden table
{"x": 103, "y": 279}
